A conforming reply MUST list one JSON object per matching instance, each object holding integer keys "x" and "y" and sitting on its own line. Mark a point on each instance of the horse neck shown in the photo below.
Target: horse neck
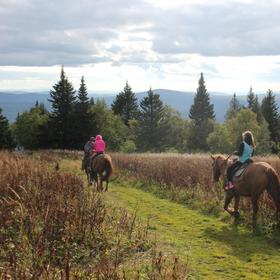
{"x": 224, "y": 166}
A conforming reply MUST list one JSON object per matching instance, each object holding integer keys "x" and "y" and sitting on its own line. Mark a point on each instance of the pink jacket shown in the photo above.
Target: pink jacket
{"x": 99, "y": 145}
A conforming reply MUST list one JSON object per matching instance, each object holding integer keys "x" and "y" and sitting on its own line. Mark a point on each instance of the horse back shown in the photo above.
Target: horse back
{"x": 254, "y": 179}
{"x": 100, "y": 162}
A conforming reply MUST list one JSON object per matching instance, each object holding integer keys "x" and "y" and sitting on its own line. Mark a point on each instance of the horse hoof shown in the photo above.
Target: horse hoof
{"x": 236, "y": 214}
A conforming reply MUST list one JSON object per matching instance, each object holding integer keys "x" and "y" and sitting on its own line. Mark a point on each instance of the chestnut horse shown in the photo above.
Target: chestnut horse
{"x": 102, "y": 168}
{"x": 257, "y": 177}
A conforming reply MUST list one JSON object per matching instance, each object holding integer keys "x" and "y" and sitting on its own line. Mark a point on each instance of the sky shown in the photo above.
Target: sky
{"x": 149, "y": 43}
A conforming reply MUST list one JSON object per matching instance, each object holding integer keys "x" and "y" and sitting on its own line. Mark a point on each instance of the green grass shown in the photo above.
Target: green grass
{"x": 214, "y": 249}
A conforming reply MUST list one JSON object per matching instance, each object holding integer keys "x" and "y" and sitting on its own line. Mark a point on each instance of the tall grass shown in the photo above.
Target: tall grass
{"x": 188, "y": 179}
{"x": 52, "y": 227}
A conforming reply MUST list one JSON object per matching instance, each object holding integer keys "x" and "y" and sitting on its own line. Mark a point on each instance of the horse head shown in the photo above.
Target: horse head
{"x": 219, "y": 166}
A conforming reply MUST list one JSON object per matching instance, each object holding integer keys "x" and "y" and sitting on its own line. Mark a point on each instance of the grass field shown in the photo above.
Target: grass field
{"x": 53, "y": 226}
{"x": 212, "y": 247}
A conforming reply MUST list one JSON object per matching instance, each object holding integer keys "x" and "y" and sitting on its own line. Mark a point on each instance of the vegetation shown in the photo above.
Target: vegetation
{"x": 54, "y": 228}
{"x": 271, "y": 115}
{"x": 126, "y": 105}
{"x": 202, "y": 116}
{"x": 150, "y": 126}
{"x": 6, "y": 140}
{"x": 188, "y": 179}
{"x": 151, "y": 129}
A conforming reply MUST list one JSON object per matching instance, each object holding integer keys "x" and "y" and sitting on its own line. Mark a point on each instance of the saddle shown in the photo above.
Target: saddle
{"x": 239, "y": 170}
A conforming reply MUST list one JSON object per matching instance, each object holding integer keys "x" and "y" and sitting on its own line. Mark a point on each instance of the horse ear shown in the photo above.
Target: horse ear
{"x": 212, "y": 157}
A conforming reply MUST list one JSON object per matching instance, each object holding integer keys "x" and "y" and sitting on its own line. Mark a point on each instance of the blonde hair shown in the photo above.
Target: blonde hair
{"x": 248, "y": 137}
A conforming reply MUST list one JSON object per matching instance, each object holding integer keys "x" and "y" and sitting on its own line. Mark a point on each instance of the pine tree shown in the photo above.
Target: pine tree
{"x": 6, "y": 140}
{"x": 62, "y": 98}
{"x": 251, "y": 99}
{"x": 254, "y": 105}
{"x": 84, "y": 120}
{"x": 202, "y": 117}
{"x": 201, "y": 110}
{"x": 126, "y": 105}
{"x": 234, "y": 107}
{"x": 91, "y": 101}
{"x": 151, "y": 114}
{"x": 270, "y": 113}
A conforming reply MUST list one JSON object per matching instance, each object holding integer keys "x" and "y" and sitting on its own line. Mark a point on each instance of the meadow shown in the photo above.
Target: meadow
{"x": 187, "y": 179}
{"x": 52, "y": 226}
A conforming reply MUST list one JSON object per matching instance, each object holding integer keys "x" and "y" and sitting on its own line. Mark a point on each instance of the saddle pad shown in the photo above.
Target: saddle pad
{"x": 240, "y": 170}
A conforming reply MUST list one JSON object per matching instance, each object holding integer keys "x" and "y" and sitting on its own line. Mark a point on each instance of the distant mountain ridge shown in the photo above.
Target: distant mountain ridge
{"x": 13, "y": 103}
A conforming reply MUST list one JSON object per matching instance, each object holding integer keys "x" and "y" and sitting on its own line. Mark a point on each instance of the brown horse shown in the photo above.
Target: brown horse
{"x": 102, "y": 168}
{"x": 257, "y": 177}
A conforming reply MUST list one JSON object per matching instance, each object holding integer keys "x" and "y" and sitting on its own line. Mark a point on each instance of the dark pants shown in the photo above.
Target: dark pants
{"x": 232, "y": 168}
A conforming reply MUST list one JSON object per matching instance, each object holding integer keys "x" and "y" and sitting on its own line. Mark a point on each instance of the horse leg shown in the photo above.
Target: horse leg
{"x": 229, "y": 196}
{"x": 255, "y": 210}
{"x": 236, "y": 206}
{"x": 89, "y": 177}
{"x": 95, "y": 179}
{"x": 101, "y": 184}
{"x": 107, "y": 183}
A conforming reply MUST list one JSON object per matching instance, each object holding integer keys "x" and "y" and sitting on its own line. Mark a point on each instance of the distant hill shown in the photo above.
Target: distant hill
{"x": 13, "y": 103}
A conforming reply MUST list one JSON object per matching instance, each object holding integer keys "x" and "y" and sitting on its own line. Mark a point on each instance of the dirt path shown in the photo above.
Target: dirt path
{"x": 214, "y": 250}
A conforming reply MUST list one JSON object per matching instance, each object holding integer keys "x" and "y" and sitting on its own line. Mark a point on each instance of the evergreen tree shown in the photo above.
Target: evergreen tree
{"x": 91, "y": 101}
{"x": 84, "y": 120}
{"x": 234, "y": 107}
{"x": 201, "y": 110}
{"x": 254, "y": 105}
{"x": 270, "y": 113}
{"x": 150, "y": 123}
{"x": 202, "y": 119}
{"x": 126, "y": 105}
{"x": 62, "y": 98}
{"x": 6, "y": 140}
{"x": 251, "y": 99}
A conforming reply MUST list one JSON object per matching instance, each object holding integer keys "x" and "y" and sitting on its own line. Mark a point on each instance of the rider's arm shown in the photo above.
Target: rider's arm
{"x": 240, "y": 150}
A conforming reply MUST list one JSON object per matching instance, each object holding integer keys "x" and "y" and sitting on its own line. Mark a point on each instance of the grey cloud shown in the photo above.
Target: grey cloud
{"x": 39, "y": 32}
{"x": 221, "y": 30}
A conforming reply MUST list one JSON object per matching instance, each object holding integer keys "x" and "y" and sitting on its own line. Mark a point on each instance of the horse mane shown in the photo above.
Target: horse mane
{"x": 219, "y": 156}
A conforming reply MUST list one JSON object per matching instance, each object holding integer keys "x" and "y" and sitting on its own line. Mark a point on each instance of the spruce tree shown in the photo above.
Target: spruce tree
{"x": 62, "y": 98}
{"x": 151, "y": 130}
{"x": 84, "y": 119}
{"x": 201, "y": 110}
{"x": 270, "y": 113}
{"x": 254, "y": 105}
{"x": 202, "y": 117}
{"x": 126, "y": 105}
{"x": 251, "y": 99}
{"x": 234, "y": 107}
{"x": 6, "y": 140}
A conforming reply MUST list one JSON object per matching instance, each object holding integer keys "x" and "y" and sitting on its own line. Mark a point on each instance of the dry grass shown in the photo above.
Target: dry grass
{"x": 187, "y": 178}
{"x": 51, "y": 227}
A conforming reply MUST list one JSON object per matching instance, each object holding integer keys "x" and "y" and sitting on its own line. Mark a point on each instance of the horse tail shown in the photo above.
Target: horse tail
{"x": 108, "y": 168}
{"x": 273, "y": 187}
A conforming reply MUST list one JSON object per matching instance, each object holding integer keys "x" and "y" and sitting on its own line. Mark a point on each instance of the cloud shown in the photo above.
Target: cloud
{"x": 37, "y": 32}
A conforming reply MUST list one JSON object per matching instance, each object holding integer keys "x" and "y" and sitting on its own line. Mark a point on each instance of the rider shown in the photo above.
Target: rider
{"x": 88, "y": 149}
{"x": 99, "y": 146}
{"x": 245, "y": 152}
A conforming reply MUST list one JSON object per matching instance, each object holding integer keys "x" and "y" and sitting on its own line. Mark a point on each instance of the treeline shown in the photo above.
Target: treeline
{"x": 147, "y": 125}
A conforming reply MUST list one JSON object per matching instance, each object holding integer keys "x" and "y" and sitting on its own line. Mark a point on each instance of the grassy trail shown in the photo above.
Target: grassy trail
{"x": 214, "y": 249}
